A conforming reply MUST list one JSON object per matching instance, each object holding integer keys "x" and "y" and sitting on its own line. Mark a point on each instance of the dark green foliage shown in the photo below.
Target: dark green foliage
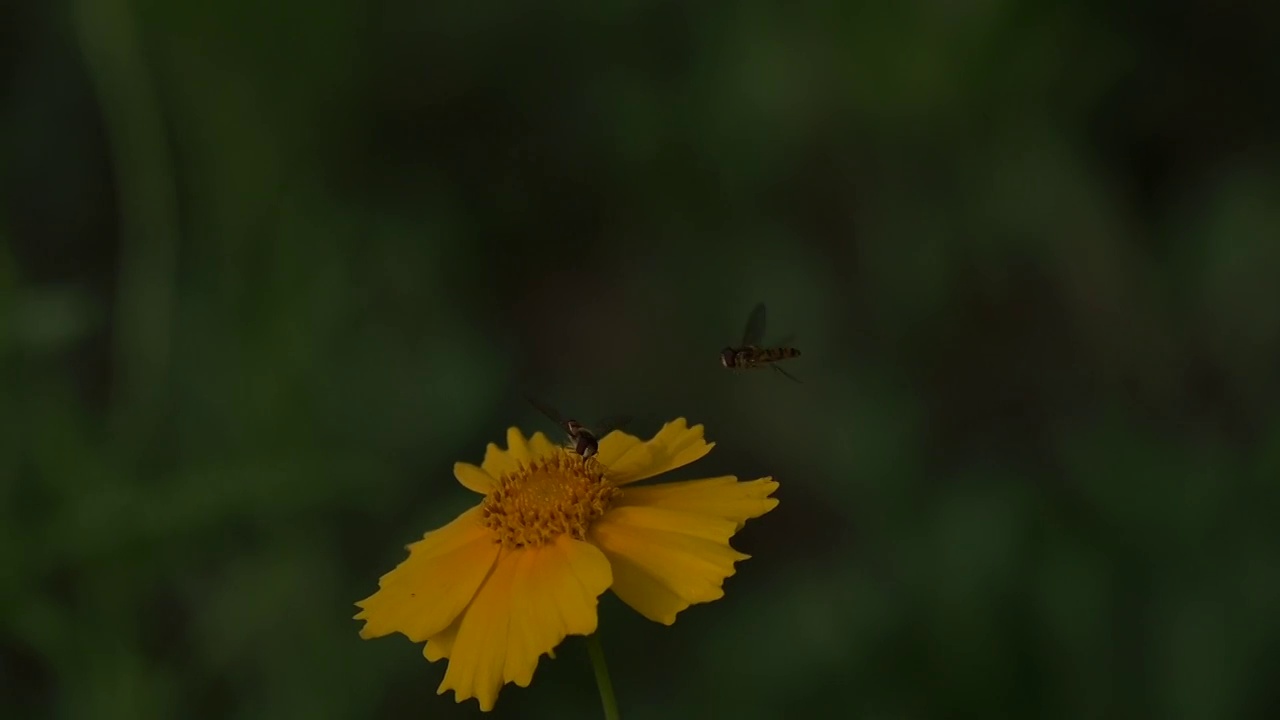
{"x": 268, "y": 270}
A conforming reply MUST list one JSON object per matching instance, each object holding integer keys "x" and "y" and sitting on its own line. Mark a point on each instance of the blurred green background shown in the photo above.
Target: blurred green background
{"x": 268, "y": 269}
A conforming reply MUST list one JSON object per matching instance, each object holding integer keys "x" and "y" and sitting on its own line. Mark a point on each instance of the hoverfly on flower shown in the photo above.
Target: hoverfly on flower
{"x": 584, "y": 441}
{"x": 505, "y": 582}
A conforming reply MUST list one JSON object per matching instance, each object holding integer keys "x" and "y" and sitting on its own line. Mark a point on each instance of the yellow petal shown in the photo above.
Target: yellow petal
{"x": 473, "y": 478}
{"x": 540, "y": 446}
{"x": 533, "y": 599}
{"x": 499, "y": 462}
{"x": 615, "y": 446}
{"x": 630, "y": 460}
{"x": 517, "y": 446}
{"x": 721, "y": 497}
{"x": 665, "y": 560}
{"x": 424, "y": 594}
{"x": 440, "y": 646}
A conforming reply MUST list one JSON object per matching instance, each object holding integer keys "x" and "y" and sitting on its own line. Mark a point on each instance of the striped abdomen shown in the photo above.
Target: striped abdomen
{"x": 752, "y": 356}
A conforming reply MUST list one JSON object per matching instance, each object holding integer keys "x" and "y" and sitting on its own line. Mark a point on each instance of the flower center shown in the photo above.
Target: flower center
{"x": 552, "y": 496}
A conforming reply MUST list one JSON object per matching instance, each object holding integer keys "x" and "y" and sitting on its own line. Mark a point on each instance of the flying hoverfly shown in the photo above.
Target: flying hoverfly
{"x": 584, "y": 441}
{"x": 752, "y": 353}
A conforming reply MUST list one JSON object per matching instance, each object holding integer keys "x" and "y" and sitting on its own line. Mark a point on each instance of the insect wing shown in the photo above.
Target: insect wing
{"x": 753, "y": 335}
{"x": 546, "y": 410}
{"x": 788, "y": 341}
{"x": 609, "y": 424}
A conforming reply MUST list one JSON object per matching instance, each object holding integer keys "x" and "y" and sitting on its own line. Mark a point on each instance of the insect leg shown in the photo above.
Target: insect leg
{"x": 788, "y": 375}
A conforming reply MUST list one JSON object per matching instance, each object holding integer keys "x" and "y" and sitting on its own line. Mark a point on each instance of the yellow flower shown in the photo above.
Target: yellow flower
{"x": 506, "y": 581}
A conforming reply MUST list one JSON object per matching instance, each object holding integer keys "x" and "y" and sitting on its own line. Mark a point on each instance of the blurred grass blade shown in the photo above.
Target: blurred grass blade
{"x": 148, "y": 213}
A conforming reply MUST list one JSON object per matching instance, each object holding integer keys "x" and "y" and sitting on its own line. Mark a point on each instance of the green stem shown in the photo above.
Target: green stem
{"x": 137, "y": 139}
{"x": 602, "y": 677}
